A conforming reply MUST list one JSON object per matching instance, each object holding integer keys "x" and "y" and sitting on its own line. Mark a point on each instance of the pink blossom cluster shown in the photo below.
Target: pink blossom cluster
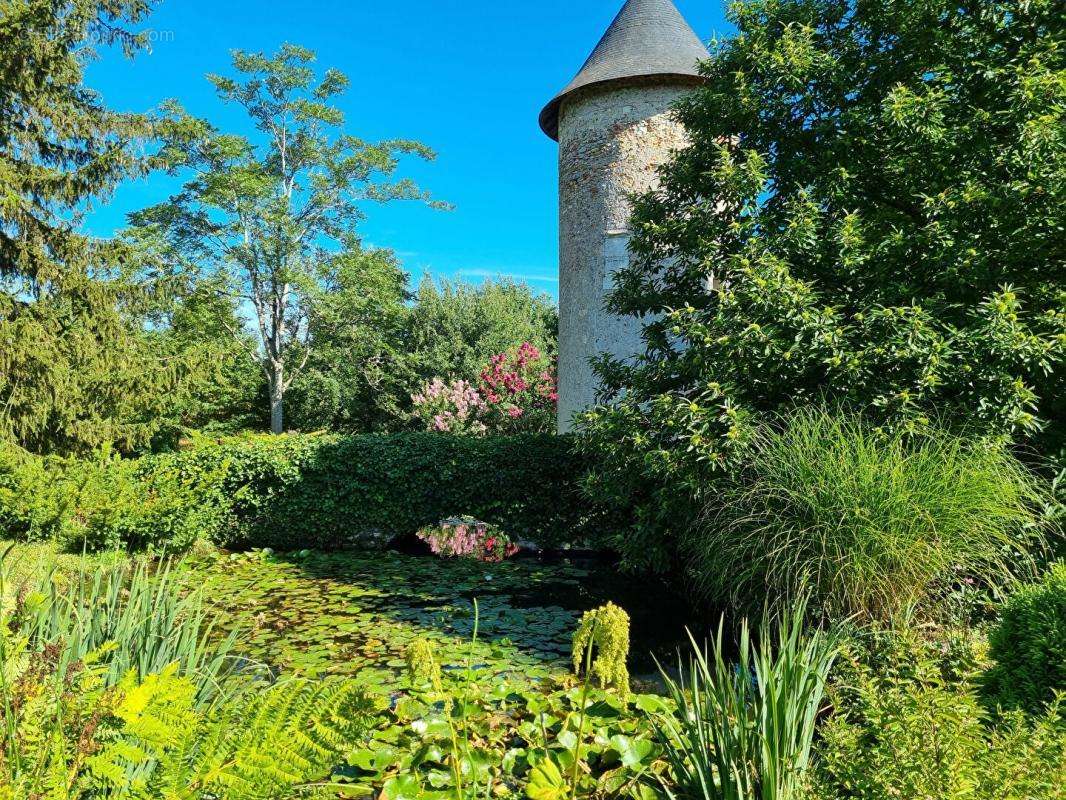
{"x": 520, "y": 387}
{"x": 517, "y": 392}
{"x": 454, "y": 407}
{"x": 468, "y": 538}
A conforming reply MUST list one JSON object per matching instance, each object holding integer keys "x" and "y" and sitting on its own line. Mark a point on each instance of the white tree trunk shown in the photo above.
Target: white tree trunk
{"x": 277, "y": 397}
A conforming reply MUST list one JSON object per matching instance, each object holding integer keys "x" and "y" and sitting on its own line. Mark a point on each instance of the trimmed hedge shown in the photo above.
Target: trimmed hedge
{"x": 100, "y": 504}
{"x": 300, "y": 491}
{"x": 1029, "y": 644}
{"x": 296, "y": 491}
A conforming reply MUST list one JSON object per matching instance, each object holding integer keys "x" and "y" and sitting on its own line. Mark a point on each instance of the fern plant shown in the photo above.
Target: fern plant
{"x": 68, "y": 736}
{"x": 257, "y": 746}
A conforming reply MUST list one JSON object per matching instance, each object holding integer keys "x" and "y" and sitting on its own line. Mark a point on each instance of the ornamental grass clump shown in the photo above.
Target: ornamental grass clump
{"x": 871, "y": 522}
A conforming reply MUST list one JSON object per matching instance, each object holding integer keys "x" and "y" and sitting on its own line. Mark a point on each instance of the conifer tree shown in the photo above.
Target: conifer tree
{"x": 76, "y": 371}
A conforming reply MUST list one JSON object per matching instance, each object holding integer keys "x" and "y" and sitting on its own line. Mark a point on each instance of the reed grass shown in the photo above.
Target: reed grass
{"x": 139, "y": 610}
{"x": 744, "y": 730}
{"x": 873, "y": 523}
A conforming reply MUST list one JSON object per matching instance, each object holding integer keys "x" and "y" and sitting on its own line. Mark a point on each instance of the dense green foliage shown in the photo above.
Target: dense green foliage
{"x": 746, "y": 730}
{"x": 300, "y": 491}
{"x": 454, "y": 329}
{"x": 132, "y": 343}
{"x": 869, "y": 219}
{"x": 357, "y": 377}
{"x": 372, "y": 351}
{"x": 66, "y": 735}
{"x": 877, "y": 191}
{"x": 102, "y": 503}
{"x": 490, "y": 722}
{"x": 872, "y": 523}
{"x": 500, "y": 717}
{"x": 1029, "y": 645}
{"x": 77, "y": 369}
{"x": 907, "y": 722}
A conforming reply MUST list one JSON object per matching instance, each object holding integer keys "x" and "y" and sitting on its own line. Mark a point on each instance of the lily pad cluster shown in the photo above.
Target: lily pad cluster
{"x": 357, "y": 613}
{"x": 470, "y": 663}
{"x": 511, "y": 741}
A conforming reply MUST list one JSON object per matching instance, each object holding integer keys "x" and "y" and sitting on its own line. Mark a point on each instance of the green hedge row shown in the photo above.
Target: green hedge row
{"x": 306, "y": 491}
{"x": 104, "y": 503}
{"x": 1029, "y": 644}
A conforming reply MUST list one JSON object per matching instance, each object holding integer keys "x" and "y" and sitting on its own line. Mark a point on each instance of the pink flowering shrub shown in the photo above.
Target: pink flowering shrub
{"x": 465, "y": 537}
{"x": 520, "y": 390}
{"x": 516, "y": 393}
{"x": 455, "y": 407}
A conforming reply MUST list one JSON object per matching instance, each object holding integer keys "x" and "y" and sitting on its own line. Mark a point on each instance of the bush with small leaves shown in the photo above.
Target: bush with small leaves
{"x": 1029, "y": 644}
{"x": 904, "y": 725}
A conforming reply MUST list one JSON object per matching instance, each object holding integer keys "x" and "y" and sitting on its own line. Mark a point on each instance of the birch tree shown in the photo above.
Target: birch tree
{"x": 269, "y": 213}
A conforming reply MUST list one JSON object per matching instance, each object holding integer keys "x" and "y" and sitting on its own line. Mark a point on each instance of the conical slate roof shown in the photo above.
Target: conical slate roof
{"x": 648, "y": 37}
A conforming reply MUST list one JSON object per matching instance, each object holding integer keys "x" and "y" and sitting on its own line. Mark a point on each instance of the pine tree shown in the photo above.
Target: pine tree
{"x": 76, "y": 371}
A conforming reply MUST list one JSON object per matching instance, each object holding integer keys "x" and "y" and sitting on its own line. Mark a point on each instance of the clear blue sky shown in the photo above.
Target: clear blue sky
{"x": 466, "y": 78}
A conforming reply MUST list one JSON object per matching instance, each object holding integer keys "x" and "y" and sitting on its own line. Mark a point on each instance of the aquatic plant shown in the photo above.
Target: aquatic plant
{"x": 140, "y": 611}
{"x": 745, "y": 730}
{"x": 606, "y": 629}
{"x": 422, "y": 665}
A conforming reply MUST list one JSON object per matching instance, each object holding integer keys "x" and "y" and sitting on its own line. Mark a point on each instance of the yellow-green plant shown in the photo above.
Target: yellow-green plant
{"x": 422, "y": 665}
{"x": 607, "y": 630}
{"x": 66, "y": 735}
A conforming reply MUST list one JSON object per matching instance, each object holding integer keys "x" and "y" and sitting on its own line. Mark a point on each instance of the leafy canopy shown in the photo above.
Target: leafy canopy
{"x": 876, "y": 192}
{"x": 273, "y": 214}
{"x": 454, "y": 329}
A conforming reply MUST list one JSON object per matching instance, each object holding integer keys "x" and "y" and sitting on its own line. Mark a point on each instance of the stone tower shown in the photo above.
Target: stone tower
{"x": 614, "y": 129}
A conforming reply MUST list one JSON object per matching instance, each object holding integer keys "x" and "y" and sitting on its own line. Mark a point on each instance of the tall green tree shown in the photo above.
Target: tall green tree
{"x": 272, "y": 213}
{"x": 191, "y": 320}
{"x": 357, "y": 377}
{"x": 453, "y": 329}
{"x": 877, "y": 191}
{"x": 76, "y": 371}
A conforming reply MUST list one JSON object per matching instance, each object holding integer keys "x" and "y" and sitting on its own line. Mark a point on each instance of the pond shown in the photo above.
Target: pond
{"x": 354, "y": 613}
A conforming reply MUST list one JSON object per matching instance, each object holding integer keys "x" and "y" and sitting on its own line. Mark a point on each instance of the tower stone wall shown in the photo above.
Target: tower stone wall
{"x": 612, "y": 140}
